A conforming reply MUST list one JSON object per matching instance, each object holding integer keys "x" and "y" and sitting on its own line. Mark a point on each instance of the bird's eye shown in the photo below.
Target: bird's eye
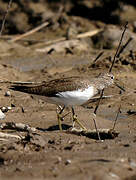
{"x": 112, "y": 77}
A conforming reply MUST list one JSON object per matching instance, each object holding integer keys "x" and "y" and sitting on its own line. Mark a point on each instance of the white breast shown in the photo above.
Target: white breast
{"x": 71, "y": 98}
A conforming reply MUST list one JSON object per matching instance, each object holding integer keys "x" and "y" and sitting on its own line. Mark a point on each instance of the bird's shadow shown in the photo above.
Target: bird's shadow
{"x": 54, "y": 128}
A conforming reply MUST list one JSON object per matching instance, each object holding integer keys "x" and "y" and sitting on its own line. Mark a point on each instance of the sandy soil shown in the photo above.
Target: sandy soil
{"x": 59, "y": 155}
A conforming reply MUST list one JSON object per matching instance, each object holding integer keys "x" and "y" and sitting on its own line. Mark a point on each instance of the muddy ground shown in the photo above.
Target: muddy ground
{"x": 49, "y": 153}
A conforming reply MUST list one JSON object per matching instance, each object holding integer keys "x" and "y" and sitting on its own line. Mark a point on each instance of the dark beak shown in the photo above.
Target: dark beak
{"x": 119, "y": 86}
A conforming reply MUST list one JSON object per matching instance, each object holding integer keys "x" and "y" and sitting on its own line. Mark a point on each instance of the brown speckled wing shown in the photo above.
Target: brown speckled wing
{"x": 51, "y": 88}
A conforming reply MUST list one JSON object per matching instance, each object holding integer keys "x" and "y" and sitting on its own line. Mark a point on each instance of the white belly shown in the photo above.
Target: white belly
{"x": 71, "y": 98}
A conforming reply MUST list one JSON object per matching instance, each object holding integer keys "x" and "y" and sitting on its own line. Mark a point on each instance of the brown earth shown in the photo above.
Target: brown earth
{"x": 49, "y": 153}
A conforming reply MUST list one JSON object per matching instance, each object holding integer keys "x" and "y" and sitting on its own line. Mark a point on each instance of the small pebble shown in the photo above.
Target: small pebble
{"x": 9, "y": 108}
{"x": 7, "y": 93}
{"x": 13, "y": 105}
{"x": 68, "y": 161}
{"x": 2, "y": 115}
{"x": 22, "y": 109}
{"x": 59, "y": 159}
{"x": 4, "y": 109}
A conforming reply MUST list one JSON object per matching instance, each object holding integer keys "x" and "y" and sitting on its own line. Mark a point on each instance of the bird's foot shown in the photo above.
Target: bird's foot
{"x": 75, "y": 120}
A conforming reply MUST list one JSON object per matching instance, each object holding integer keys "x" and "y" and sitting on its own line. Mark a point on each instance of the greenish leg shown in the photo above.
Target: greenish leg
{"x": 95, "y": 124}
{"x": 59, "y": 116}
{"x": 75, "y": 120}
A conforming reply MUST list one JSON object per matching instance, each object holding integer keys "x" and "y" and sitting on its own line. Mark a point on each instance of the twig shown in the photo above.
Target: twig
{"x": 98, "y": 56}
{"x": 116, "y": 117}
{"x": 17, "y": 126}
{"x": 4, "y": 18}
{"x": 89, "y": 33}
{"x": 125, "y": 45}
{"x": 8, "y": 136}
{"x": 118, "y": 47}
{"x": 30, "y": 32}
{"x": 104, "y": 133}
{"x": 81, "y": 35}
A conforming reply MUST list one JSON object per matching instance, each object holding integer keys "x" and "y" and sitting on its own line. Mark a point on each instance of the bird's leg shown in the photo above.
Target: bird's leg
{"x": 95, "y": 124}
{"x": 61, "y": 109}
{"x": 94, "y": 113}
{"x": 75, "y": 120}
{"x": 59, "y": 115}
